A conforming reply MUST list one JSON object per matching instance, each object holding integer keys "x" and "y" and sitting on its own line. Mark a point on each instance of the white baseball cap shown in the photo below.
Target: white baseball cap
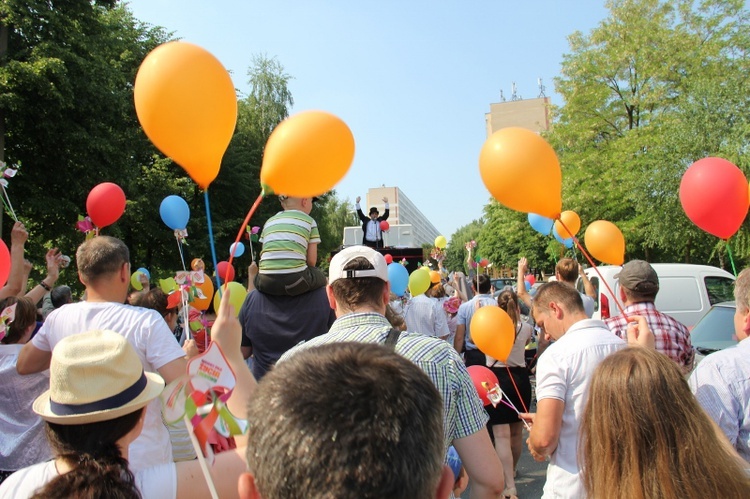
{"x": 340, "y": 260}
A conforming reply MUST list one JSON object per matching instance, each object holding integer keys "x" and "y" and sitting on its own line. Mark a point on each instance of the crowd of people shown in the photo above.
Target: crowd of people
{"x": 351, "y": 391}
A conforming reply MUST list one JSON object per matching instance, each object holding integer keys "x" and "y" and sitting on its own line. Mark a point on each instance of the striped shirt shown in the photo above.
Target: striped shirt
{"x": 285, "y": 238}
{"x": 425, "y": 315}
{"x": 721, "y": 384}
{"x": 463, "y": 414}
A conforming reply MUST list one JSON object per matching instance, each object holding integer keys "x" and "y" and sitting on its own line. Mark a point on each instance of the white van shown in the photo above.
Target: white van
{"x": 686, "y": 291}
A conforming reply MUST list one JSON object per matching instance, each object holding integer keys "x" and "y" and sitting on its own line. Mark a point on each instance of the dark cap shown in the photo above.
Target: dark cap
{"x": 373, "y": 210}
{"x": 639, "y": 276}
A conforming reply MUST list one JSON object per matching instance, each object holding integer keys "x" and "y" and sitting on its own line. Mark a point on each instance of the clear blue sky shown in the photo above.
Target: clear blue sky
{"x": 413, "y": 79}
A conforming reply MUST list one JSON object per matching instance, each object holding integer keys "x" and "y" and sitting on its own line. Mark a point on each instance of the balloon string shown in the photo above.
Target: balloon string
{"x": 242, "y": 230}
{"x": 731, "y": 259}
{"x": 9, "y": 205}
{"x": 596, "y": 269}
{"x": 509, "y": 403}
{"x": 179, "y": 248}
{"x": 518, "y": 392}
{"x": 211, "y": 241}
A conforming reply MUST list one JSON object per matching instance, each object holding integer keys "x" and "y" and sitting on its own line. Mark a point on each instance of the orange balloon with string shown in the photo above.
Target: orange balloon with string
{"x": 568, "y": 224}
{"x": 522, "y": 172}
{"x": 605, "y": 242}
{"x": 492, "y": 331}
{"x": 306, "y": 155}
{"x": 186, "y": 103}
{"x": 207, "y": 288}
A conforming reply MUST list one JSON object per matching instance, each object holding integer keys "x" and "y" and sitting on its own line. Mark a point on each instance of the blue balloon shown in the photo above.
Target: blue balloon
{"x": 568, "y": 243}
{"x": 144, "y": 271}
{"x": 528, "y": 285}
{"x": 175, "y": 212}
{"x": 239, "y": 251}
{"x": 398, "y": 276}
{"x": 541, "y": 224}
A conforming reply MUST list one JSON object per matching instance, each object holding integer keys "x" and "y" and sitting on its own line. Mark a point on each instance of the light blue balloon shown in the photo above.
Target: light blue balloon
{"x": 541, "y": 224}
{"x": 144, "y": 271}
{"x": 568, "y": 243}
{"x": 527, "y": 285}
{"x": 398, "y": 276}
{"x": 239, "y": 251}
{"x": 174, "y": 212}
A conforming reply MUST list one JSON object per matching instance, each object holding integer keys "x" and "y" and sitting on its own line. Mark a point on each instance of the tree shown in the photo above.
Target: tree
{"x": 455, "y": 252}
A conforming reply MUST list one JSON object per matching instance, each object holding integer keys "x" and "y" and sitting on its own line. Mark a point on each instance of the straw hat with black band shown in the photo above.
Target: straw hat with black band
{"x": 95, "y": 376}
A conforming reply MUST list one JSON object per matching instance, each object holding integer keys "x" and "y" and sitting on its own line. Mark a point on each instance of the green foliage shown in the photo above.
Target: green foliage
{"x": 455, "y": 252}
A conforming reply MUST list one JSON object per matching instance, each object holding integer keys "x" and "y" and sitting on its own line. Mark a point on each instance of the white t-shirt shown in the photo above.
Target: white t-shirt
{"x": 564, "y": 372}
{"x": 149, "y": 334}
{"x": 517, "y": 356}
{"x": 159, "y": 482}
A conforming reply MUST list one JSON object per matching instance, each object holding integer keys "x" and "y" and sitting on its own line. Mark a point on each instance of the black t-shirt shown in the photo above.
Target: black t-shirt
{"x": 271, "y": 325}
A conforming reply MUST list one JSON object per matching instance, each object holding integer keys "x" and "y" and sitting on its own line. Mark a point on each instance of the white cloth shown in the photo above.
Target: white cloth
{"x": 159, "y": 482}
{"x": 22, "y": 439}
{"x": 588, "y": 304}
{"x": 517, "y": 356}
{"x": 425, "y": 315}
{"x": 721, "y": 384}
{"x": 149, "y": 334}
{"x": 564, "y": 372}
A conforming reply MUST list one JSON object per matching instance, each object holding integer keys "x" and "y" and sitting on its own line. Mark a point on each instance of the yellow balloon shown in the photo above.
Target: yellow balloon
{"x": 571, "y": 220}
{"x": 521, "y": 171}
{"x": 440, "y": 242}
{"x": 237, "y": 294}
{"x": 419, "y": 282}
{"x": 135, "y": 280}
{"x": 187, "y": 105}
{"x": 306, "y": 155}
{"x": 492, "y": 331}
{"x": 605, "y": 242}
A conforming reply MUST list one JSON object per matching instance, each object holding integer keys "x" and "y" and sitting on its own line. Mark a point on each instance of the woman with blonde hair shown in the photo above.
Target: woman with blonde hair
{"x": 644, "y": 435}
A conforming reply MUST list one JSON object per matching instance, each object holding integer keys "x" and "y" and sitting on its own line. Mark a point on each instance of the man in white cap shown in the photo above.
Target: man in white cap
{"x": 358, "y": 290}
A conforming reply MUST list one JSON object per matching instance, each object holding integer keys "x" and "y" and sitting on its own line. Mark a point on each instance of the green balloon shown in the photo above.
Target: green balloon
{"x": 419, "y": 282}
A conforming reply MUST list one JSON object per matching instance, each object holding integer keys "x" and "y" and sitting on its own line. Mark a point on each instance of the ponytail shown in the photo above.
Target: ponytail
{"x": 508, "y": 301}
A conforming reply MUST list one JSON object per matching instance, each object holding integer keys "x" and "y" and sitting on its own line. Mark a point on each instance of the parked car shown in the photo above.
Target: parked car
{"x": 500, "y": 282}
{"x": 686, "y": 291}
{"x": 715, "y": 331}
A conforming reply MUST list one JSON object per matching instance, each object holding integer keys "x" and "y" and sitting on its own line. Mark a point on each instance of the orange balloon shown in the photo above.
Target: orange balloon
{"x": 187, "y": 105}
{"x": 571, "y": 220}
{"x": 521, "y": 171}
{"x": 492, "y": 331}
{"x": 605, "y": 242}
{"x": 207, "y": 287}
{"x": 306, "y": 155}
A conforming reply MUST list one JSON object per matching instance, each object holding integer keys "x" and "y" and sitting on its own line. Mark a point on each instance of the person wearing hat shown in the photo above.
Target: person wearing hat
{"x": 104, "y": 269}
{"x": 94, "y": 409}
{"x": 372, "y": 233}
{"x": 359, "y": 291}
{"x": 638, "y": 287}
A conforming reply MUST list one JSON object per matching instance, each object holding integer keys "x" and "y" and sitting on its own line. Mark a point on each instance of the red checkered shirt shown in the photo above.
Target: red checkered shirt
{"x": 672, "y": 337}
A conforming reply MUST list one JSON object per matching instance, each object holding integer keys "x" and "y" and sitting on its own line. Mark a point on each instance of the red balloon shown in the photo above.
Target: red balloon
{"x": 714, "y": 195}
{"x": 4, "y": 263}
{"x": 105, "y": 204}
{"x": 388, "y": 258}
{"x": 221, "y": 270}
{"x": 484, "y": 262}
{"x": 384, "y": 225}
{"x": 530, "y": 279}
{"x": 484, "y": 379}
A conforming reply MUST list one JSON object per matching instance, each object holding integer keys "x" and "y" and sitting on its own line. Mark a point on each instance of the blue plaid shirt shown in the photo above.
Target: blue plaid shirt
{"x": 463, "y": 414}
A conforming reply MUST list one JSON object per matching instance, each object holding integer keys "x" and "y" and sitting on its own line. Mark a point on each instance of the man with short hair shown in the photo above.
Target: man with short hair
{"x": 372, "y": 234}
{"x": 562, "y": 379}
{"x": 462, "y": 342}
{"x": 567, "y": 271}
{"x": 393, "y": 448}
{"x": 104, "y": 269}
{"x": 721, "y": 382}
{"x": 639, "y": 285}
{"x": 358, "y": 289}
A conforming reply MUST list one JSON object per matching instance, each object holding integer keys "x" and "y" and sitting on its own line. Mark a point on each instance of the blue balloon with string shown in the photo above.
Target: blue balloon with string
{"x": 398, "y": 276}
{"x": 541, "y": 224}
{"x": 174, "y": 212}
{"x": 237, "y": 249}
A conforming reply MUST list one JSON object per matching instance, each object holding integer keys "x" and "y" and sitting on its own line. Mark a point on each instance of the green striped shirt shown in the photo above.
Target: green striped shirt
{"x": 285, "y": 238}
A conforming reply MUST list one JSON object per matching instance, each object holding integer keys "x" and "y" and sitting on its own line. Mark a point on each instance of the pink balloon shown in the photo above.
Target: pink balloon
{"x": 221, "y": 270}
{"x": 530, "y": 279}
{"x": 4, "y": 263}
{"x": 105, "y": 204}
{"x": 714, "y": 195}
{"x": 384, "y": 225}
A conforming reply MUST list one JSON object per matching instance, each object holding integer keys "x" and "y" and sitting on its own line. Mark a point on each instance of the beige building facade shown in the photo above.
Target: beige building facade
{"x": 532, "y": 114}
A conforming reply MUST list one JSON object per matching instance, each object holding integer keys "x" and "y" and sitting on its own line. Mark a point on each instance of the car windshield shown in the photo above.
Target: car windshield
{"x": 715, "y": 330}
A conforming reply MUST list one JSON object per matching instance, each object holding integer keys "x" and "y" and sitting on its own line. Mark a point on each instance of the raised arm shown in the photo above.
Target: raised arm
{"x": 587, "y": 286}
{"x": 53, "y": 258}
{"x": 523, "y": 295}
{"x": 361, "y": 215}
